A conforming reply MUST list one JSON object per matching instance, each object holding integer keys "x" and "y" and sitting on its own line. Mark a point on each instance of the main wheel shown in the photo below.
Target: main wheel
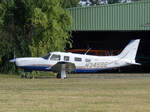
{"x": 58, "y": 75}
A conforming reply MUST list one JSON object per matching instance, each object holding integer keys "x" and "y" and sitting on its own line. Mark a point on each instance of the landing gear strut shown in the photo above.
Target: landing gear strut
{"x": 62, "y": 73}
{"x": 61, "y": 76}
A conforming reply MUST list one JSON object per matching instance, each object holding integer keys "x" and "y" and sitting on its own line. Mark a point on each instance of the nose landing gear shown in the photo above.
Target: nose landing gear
{"x": 24, "y": 75}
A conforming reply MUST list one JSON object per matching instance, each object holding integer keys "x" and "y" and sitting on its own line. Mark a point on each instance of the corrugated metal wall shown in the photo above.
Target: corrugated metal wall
{"x": 128, "y": 16}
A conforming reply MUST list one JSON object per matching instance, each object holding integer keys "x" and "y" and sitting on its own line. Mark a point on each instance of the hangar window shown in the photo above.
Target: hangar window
{"x": 55, "y": 57}
{"x": 77, "y": 59}
{"x": 66, "y": 58}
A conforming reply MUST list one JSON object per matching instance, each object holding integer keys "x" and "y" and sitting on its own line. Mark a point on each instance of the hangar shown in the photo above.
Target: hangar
{"x": 111, "y": 26}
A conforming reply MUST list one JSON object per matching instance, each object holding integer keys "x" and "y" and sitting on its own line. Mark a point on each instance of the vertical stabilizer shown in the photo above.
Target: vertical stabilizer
{"x": 130, "y": 51}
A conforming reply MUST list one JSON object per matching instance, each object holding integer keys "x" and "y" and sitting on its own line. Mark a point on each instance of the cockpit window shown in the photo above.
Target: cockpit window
{"x": 46, "y": 56}
{"x": 87, "y": 60}
{"x": 77, "y": 59}
{"x": 55, "y": 57}
{"x": 66, "y": 58}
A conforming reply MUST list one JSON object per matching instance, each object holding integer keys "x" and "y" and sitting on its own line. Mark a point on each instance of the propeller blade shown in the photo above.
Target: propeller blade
{"x": 14, "y": 54}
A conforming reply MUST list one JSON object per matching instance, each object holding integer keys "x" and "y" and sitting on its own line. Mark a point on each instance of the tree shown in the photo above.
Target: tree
{"x": 70, "y": 3}
{"x": 5, "y": 34}
{"x": 51, "y": 27}
{"x": 94, "y": 2}
{"x": 113, "y": 1}
{"x": 32, "y": 27}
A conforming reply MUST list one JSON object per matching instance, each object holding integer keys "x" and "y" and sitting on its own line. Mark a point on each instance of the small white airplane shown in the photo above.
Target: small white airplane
{"x": 63, "y": 63}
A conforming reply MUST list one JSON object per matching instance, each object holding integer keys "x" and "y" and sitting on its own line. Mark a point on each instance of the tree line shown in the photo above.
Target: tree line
{"x": 32, "y": 28}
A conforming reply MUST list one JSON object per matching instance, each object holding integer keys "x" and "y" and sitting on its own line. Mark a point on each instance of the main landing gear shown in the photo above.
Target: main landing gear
{"x": 62, "y": 74}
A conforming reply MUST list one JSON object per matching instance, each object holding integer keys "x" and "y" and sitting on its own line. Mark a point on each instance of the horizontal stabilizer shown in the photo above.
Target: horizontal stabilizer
{"x": 132, "y": 62}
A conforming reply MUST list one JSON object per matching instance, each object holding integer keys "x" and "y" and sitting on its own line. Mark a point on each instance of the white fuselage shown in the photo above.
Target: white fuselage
{"x": 62, "y": 62}
{"x": 83, "y": 63}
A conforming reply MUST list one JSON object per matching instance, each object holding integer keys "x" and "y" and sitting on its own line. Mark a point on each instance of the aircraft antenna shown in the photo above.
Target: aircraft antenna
{"x": 87, "y": 51}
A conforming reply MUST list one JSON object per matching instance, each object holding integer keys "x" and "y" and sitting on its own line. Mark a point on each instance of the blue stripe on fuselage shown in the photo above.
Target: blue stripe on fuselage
{"x": 39, "y": 68}
{"x": 87, "y": 70}
{"x": 48, "y": 68}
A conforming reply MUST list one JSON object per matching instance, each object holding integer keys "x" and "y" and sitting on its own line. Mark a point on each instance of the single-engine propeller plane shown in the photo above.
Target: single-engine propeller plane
{"x": 63, "y": 62}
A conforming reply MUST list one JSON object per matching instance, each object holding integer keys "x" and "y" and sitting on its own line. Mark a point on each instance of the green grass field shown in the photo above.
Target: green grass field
{"x": 75, "y": 94}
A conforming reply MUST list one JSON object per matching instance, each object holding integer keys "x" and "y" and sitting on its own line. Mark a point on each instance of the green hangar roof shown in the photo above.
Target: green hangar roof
{"x": 127, "y": 16}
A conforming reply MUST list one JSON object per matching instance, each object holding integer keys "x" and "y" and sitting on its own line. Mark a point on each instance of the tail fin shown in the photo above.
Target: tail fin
{"x": 130, "y": 51}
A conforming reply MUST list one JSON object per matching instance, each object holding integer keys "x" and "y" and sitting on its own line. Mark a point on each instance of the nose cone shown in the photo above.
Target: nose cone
{"x": 23, "y": 61}
{"x": 16, "y": 61}
{"x": 19, "y": 62}
{"x": 27, "y": 61}
{"x": 12, "y": 60}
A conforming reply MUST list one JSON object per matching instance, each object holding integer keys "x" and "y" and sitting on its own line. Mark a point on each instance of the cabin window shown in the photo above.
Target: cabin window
{"x": 66, "y": 58}
{"x": 55, "y": 57}
{"x": 77, "y": 59}
{"x": 46, "y": 56}
{"x": 87, "y": 60}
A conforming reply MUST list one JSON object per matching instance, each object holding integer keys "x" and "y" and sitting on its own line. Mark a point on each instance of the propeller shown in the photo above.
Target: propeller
{"x": 13, "y": 60}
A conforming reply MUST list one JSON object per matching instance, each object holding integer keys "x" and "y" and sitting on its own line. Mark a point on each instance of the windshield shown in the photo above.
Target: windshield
{"x": 47, "y": 56}
{"x": 55, "y": 57}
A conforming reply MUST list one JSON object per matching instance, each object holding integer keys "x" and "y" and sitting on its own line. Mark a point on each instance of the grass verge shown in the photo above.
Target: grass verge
{"x": 74, "y": 95}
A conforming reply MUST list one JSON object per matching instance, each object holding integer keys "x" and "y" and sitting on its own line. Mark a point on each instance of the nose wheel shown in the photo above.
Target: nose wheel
{"x": 24, "y": 75}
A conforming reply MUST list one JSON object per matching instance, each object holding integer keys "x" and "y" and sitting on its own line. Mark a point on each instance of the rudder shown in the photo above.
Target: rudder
{"x": 130, "y": 51}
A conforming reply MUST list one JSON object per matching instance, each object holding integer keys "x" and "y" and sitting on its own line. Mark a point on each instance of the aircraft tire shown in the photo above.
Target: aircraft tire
{"x": 58, "y": 76}
{"x": 23, "y": 76}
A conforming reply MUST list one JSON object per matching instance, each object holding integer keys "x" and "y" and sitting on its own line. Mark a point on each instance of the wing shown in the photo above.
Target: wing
{"x": 62, "y": 65}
